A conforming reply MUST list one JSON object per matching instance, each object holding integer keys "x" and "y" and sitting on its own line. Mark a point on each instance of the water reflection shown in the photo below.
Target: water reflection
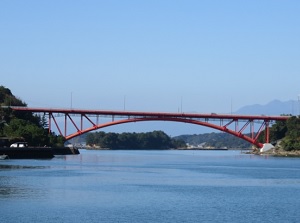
{"x": 150, "y": 186}
{"x": 15, "y": 184}
{"x": 13, "y": 187}
{"x": 4, "y": 166}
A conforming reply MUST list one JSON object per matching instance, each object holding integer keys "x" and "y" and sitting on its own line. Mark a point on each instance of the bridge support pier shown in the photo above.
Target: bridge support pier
{"x": 266, "y": 147}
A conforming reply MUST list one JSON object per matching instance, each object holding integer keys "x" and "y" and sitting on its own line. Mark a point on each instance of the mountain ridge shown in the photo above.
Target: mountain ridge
{"x": 275, "y": 107}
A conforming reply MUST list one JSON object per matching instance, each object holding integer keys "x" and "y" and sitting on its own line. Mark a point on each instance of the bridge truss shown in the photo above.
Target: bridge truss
{"x": 84, "y": 121}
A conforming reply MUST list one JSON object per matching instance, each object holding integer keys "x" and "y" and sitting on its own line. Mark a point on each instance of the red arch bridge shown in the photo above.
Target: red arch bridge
{"x": 89, "y": 120}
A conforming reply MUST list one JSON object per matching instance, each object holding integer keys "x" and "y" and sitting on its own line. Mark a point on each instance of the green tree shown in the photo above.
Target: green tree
{"x": 292, "y": 138}
{"x": 278, "y": 131}
{"x": 110, "y": 140}
{"x": 33, "y": 134}
{"x": 149, "y": 140}
{"x": 18, "y": 125}
{"x": 56, "y": 141}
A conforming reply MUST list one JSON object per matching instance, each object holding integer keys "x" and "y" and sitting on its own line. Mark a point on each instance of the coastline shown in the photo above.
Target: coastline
{"x": 194, "y": 148}
{"x": 278, "y": 152}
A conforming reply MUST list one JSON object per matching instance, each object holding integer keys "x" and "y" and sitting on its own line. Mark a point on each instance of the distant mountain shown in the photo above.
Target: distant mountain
{"x": 275, "y": 107}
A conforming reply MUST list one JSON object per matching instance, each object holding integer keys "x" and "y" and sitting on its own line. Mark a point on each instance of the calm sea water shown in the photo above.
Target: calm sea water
{"x": 151, "y": 186}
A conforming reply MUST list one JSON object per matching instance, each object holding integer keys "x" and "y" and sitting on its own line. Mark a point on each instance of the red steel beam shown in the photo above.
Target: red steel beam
{"x": 50, "y": 114}
{"x": 151, "y": 114}
{"x": 134, "y": 116}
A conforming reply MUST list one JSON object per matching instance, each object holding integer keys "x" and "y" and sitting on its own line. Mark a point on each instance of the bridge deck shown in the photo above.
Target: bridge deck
{"x": 152, "y": 114}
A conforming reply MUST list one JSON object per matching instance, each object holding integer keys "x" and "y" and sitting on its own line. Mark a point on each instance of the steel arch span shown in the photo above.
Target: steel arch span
{"x": 206, "y": 124}
{"x": 226, "y": 123}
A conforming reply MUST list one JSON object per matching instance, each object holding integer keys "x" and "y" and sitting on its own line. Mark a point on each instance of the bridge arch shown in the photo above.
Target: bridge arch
{"x": 182, "y": 120}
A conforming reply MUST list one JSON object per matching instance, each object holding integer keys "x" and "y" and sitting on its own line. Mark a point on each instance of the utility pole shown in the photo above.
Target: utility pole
{"x": 71, "y": 100}
{"x": 299, "y": 104}
{"x": 124, "y": 102}
{"x": 181, "y": 105}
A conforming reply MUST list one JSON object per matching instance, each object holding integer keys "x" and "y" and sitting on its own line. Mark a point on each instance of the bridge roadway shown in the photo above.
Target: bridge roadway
{"x": 152, "y": 114}
{"x": 208, "y": 120}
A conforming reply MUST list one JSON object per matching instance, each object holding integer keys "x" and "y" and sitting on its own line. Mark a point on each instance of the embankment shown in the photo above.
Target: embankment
{"x": 36, "y": 152}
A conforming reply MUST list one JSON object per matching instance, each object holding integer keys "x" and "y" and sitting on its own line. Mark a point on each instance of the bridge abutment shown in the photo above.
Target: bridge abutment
{"x": 266, "y": 147}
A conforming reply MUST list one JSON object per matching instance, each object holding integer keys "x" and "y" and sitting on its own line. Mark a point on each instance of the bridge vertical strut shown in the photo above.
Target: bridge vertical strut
{"x": 49, "y": 122}
{"x": 267, "y": 132}
{"x": 65, "y": 125}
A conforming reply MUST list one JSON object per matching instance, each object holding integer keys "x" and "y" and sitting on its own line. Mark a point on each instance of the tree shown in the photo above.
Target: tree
{"x": 292, "y": 139}
{"x": 18, "y": 125}
{"x": 110, "y": 140}
{"x": 56, "y": 141}
{"x": 19, "y": 128}
{"x": 148, "y": 140}
{"x": 278, "y": 131}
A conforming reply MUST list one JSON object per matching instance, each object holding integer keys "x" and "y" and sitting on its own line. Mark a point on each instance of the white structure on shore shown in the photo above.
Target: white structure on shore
{"x": 266, "y": 147}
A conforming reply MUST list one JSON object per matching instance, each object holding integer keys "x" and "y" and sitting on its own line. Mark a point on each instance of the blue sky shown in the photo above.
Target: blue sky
{"x": 154, "y": 55}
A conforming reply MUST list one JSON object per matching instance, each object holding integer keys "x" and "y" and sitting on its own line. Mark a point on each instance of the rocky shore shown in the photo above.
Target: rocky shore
{"x": 279, "y": 152}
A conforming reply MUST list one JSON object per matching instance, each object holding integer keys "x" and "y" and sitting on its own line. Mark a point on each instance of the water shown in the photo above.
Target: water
{"x": 151, "y": 186}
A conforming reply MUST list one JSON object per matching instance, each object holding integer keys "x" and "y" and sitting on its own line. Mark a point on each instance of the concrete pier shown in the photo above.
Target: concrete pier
{"x": 27, "y": 153}
{"x": 36, "y": 152}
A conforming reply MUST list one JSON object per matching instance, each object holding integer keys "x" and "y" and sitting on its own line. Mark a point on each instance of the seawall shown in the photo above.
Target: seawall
{"x": 36, "y": 152}
{"x": 27, "y": 153}
{"x": 65, "y": 151}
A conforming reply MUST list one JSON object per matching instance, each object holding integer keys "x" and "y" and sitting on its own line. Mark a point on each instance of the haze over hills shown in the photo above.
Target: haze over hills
{"x": 274, "y": 107}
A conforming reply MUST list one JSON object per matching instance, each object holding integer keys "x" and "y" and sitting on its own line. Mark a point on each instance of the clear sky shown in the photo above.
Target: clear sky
{"x": 150, "y": 55}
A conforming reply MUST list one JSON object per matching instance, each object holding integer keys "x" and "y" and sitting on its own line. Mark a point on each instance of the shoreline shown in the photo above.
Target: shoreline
{"x": 92, "y": 148}
{"x": 278, "y": 153}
